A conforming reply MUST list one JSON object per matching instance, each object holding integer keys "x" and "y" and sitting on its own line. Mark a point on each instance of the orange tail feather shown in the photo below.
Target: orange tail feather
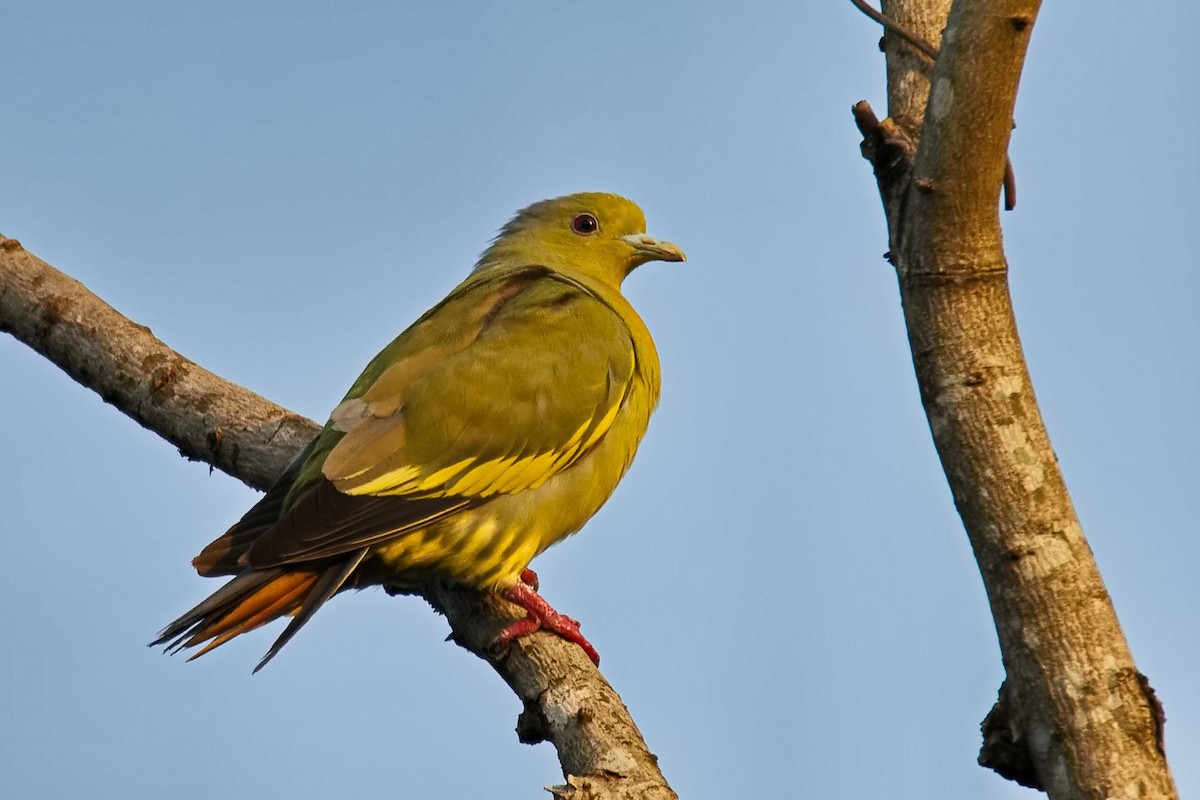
{"x": 282, "y": 596}
{"x": 254, "y": 598}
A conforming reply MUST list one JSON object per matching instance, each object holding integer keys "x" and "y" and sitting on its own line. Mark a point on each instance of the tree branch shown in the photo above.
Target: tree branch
{"x": 567, "y": 701}
{"x": 1074, "y": 717}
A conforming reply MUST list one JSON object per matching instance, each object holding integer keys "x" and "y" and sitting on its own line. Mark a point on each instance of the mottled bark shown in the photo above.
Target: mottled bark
{"x": 567, "y": 701}
{"x": 1075, "y": 717}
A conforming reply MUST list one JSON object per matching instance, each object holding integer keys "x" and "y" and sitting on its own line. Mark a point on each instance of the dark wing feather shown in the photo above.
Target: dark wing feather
{"x": 324, "y": 522}
{"x": 223, "y": 556}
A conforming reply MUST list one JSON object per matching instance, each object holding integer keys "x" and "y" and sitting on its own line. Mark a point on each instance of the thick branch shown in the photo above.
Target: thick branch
{"x": 1073, "y": 700}
{"x": 207, "y": 418}
{"x": 567, "y": 701}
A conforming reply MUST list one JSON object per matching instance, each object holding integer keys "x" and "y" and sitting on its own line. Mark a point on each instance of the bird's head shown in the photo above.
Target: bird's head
{"x": 602, "y": 236}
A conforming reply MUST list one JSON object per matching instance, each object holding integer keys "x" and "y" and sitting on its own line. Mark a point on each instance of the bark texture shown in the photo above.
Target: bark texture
{"x": 567, "y": 701}
{"x": 1075, "y": 717}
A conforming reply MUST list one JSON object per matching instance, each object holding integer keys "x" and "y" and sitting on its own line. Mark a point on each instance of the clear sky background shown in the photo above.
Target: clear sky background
{"x": 781, "y": 589}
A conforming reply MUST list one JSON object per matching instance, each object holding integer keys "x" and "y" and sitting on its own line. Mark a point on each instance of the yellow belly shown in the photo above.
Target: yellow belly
{"x": 472, "y": 549}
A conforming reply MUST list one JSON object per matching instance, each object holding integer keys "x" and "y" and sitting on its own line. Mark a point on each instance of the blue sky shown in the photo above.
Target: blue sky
{"x": 781, "y": 590}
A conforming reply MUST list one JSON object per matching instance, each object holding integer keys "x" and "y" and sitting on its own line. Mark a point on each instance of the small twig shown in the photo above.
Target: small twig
{"x": 1010, "y": 184}
{"x": 865, "y": 118}
{"x": 920, "y": 45}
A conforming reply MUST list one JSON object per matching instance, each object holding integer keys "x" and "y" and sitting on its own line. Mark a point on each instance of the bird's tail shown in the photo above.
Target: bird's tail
{"x": 254, "y": 598}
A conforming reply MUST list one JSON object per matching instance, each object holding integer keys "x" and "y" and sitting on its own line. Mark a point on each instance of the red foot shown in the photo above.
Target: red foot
{"x": 539, "y": 614}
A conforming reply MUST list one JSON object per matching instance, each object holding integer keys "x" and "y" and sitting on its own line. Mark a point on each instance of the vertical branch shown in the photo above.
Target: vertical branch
{"x": 1075, "y": 717}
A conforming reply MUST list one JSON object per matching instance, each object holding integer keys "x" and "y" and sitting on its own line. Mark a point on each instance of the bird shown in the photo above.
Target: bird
{"x": 493, "y": 427}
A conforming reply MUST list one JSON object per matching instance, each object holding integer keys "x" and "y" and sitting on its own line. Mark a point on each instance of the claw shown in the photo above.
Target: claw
{"x": 539, "y": 615}
{"x": 529, "y": 578}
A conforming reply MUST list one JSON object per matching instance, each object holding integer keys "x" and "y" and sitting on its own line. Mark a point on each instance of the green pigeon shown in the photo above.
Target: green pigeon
{"x": 496, "y": 425}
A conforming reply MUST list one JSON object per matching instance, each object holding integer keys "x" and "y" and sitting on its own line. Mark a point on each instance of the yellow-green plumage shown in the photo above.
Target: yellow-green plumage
{"x": 493, "y": 427}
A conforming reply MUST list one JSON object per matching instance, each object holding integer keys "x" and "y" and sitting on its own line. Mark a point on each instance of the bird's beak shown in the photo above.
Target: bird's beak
{"x": 651, "y": 249}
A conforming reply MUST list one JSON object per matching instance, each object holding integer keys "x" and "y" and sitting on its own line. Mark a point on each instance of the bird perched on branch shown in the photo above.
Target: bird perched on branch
{"x": 495, "y": 426}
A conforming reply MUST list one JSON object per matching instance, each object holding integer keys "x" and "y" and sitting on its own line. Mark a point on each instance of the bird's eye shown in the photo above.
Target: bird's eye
{"x": 585, "y": 224}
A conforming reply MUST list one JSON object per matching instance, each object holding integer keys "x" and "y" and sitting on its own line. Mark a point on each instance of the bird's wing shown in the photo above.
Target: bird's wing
{"x": 495, "y": 391}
